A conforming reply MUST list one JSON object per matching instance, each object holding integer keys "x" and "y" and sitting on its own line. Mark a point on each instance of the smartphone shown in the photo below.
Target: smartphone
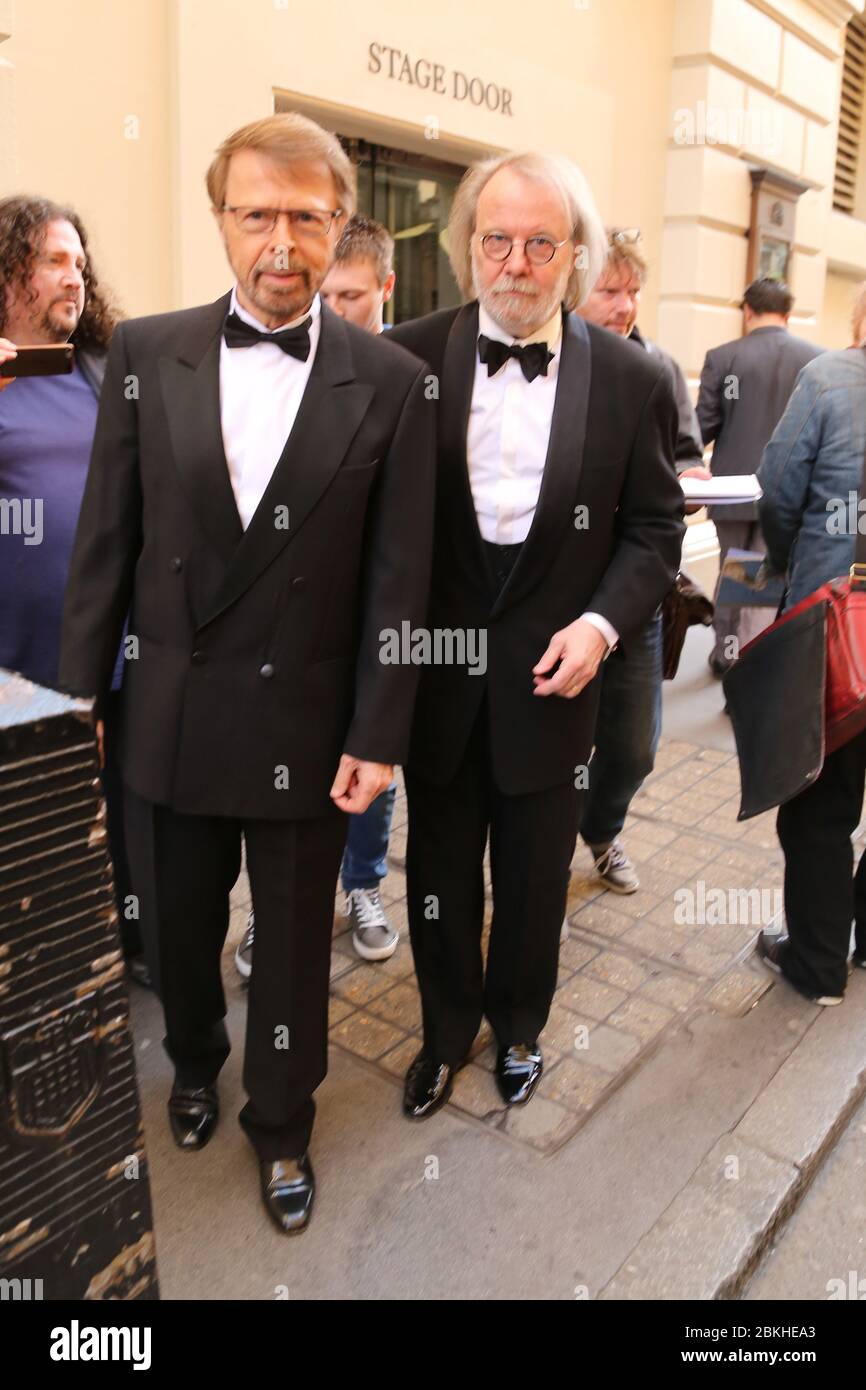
{"x": 40, "y": 361}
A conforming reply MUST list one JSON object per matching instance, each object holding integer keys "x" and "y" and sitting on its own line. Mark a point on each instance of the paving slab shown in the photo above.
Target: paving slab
{"x": 723, "y": 1212}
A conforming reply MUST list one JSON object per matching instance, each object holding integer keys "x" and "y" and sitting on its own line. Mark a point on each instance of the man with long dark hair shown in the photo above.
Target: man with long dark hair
{"x": 51, "y": 294}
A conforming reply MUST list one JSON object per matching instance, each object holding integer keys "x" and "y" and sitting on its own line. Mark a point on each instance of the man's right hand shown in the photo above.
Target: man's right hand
{"x": 100, "y": 741}
{"x": 8, "y": 351}
{"x": 697, "y": 472}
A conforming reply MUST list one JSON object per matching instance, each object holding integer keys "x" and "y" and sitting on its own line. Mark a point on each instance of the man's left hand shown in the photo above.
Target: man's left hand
{"x": 579, "y": 649}
{"x": 357, "y": 784}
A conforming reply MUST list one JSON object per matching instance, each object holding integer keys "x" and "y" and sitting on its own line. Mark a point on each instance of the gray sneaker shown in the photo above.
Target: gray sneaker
{"x": 244, "y": 952}
{"x": 614, "y": 867}
{"x": 372, "y": 934}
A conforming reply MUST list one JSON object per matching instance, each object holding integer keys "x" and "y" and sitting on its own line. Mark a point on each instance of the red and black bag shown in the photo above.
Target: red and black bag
{"x": 798, "y": 690}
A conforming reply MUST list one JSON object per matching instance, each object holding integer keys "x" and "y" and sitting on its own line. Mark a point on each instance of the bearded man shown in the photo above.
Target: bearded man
{"x": 558, "y": 532}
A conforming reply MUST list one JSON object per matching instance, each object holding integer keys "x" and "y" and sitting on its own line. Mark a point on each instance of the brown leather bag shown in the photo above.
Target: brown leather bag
{"x": 684, "y": 604}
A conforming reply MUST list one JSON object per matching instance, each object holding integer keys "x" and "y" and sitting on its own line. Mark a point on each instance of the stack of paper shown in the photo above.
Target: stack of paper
{"x": 720, "y": 492}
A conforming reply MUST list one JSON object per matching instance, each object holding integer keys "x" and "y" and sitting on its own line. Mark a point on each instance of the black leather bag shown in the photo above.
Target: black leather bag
{"x": 775, "y": 695}
{"x": 683, "y": 605}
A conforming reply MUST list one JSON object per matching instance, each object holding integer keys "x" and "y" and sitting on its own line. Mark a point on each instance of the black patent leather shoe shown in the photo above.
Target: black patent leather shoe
{"x": 427, "y": 1087}
{"x": 288, "y": 1189}
{"x": 518, "y": 1071}
{"x": 193, "y": 1114}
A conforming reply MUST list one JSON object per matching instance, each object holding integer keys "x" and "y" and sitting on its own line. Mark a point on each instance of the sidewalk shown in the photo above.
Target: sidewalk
{"x": 686, "y": 1102}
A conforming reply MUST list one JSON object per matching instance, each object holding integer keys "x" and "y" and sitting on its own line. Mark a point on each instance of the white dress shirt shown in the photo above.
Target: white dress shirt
{"x": 507, "y": 439}
{"x": 260, "y": 393}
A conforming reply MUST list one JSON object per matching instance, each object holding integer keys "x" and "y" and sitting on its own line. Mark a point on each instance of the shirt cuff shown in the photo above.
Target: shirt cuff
{"x": 607, "y": 630}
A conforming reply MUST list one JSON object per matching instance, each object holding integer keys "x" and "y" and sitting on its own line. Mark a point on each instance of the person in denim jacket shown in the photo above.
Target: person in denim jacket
{"x": 811, "y": 474}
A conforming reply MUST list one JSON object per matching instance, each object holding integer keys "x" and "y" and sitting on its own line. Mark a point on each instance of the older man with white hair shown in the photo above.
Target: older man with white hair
{"x": 558, "y": 531}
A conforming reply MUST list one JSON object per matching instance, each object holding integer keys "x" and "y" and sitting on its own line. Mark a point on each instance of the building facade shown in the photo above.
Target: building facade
{"x": 714, "y": 125}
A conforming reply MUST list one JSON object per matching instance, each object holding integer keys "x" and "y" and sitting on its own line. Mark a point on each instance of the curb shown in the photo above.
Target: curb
{"x": 709, "y": 1241}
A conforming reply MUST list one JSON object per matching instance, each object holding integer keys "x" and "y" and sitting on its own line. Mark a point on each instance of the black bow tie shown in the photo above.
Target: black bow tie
{"x": 533, "y": 357}
{"x": 295, "y": 341}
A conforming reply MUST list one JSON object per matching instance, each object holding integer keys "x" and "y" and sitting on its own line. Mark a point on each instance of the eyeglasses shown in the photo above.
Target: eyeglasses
{"x": 538, "y": 249}
{"x": 305, "y": 223}
{"x": 623, "y": 236}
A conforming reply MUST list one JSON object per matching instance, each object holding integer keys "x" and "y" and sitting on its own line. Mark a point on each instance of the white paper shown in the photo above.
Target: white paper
{"x": 736, "y": 488}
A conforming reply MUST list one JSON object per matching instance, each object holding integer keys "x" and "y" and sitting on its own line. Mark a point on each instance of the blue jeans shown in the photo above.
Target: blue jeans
{"x": 365, "y": 856}
{"x": 627, "y": 732}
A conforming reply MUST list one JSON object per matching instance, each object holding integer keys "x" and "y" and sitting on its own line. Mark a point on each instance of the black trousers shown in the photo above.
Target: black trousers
{"x": 113, "y": 791}
{"x": 183, "y": 869}
{"x": 822, "y": 894}
{"x": 532, "y": 841}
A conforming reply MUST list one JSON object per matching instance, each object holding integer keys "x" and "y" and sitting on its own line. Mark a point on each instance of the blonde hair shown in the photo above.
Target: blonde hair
{"x": 287, "y": 138}
{"x": 626, "y": 252}
{"x": 364, "y": 239}
{"x": 587, "y": 230}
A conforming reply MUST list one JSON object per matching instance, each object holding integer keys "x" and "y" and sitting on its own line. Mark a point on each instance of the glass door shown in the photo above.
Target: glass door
{"x": 411, "y": 195}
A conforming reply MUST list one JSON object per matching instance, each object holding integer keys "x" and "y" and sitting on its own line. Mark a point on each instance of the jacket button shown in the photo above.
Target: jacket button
{"x": 266, "y": 671}
{"x": 198, "y": 658}
{"x": 299, "y": 584}
{"x": 176, "y": 563}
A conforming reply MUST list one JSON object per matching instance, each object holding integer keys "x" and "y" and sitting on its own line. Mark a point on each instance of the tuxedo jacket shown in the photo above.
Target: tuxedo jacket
{"x": 253, "y": 655}
{"x": 611, "y": 451}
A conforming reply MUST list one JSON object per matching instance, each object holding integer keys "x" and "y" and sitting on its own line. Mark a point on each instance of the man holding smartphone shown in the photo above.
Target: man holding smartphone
{"x": 52, "y": 308}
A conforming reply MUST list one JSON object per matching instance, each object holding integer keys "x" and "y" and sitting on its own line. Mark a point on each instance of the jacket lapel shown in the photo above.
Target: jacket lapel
{"x": 555, "y": 508}
{"x": 458, "y": 381}
{"x": 191, "y": 394}
{"x": 331, "y": 410}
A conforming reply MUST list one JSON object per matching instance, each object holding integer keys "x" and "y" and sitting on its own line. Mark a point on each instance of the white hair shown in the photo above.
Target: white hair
{"x": 587, "y": 228}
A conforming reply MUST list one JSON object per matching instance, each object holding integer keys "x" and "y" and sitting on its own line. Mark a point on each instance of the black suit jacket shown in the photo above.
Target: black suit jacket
{"x": 745, "y": 385}
{"x": 258, "y": 651}
{"x": 611, "y": 450}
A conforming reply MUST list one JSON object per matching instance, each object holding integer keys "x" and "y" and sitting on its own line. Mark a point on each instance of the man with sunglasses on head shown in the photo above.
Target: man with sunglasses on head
{"x": 630, "y": 708}
{"x": 260, "y": 495}
{"x": 558, "y": 531}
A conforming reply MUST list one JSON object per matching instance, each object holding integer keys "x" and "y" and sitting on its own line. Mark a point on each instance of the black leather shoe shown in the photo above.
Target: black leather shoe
{"x": 193, "y": 1114}
{"x": 518, "y": 1071}
{"x": 427, "y": 1087}
{"x": 288, "y": 1189}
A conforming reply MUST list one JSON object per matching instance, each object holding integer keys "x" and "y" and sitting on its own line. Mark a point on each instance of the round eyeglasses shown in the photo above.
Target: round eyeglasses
{"x": 304, "y": 222}
{"x": 539, "y": 250}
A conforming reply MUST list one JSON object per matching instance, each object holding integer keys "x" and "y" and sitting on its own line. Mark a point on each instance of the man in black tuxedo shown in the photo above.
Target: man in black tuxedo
{"x": 558, "y": 532}
{"x": 260, "y": 498}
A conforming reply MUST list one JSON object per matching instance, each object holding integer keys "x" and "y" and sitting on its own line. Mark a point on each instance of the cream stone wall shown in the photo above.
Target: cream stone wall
{"x": 591, "y": 80}
{"x": 118, "y": 105}
{"x": 85, "y": 109}
{"x": 752, "y": 84}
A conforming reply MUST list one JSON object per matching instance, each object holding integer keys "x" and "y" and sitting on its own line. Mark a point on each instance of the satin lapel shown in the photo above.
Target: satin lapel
{"x": 190, "y": 383}
{"x": 331, "y": 410}
{"x": 556, "y": 499}
{"x": 455, "y": 401}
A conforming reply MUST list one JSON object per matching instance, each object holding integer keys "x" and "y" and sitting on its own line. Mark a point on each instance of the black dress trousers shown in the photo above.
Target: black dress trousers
{"x": 823, "y": 895}
{"x": 183, "y": 869}
{"x": 532, "y": 840}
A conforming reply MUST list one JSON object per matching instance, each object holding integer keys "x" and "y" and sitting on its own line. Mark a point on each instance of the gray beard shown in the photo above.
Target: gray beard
{"x": 541, "y": 307}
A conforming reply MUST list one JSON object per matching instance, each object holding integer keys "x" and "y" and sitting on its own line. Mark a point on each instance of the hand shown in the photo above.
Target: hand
{"x": 100, "y": 742}
{"x": 357, "y": 783}
{"x": 697, "y": 472}
{"x": 579, "y": 648}
{"x": 7, "y": 352}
